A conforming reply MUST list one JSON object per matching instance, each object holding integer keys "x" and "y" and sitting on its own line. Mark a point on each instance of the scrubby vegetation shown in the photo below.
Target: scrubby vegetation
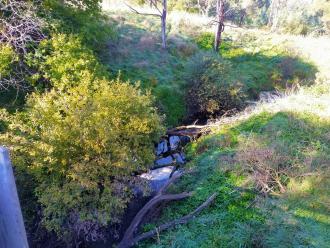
{"x": 81, "y": 145}
{"x": 76, "y": 135}
{"x": 85, "y": 95}
{"x": 219, "y": 83}
{"x": 212, "y": 89}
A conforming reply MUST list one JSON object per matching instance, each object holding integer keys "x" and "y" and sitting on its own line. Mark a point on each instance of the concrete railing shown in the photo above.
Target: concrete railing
{"x": 12, "y": 231}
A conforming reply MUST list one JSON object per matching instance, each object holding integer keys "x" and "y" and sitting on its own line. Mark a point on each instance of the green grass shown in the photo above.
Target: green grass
{"x": 138, "y": 56}
{"x": 295, "y": 126}
{"x": 212, "y": 228}
{"x": 262, "y": 69}
{"x": 301, "y": 217}
{"x": 298, "y": 218}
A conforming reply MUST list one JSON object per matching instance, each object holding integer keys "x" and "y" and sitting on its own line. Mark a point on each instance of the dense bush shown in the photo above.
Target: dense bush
{"x": 64, "y": 61}
{"x": 81, "y": 146}
{"x": 212, "y": 90}
{"x": 79, "y": 139}
{"x": 36, "y": 21}
{"x": 10, "y": 98}
{"x": 205, "y": 40}
{"x": 184, "y": 5}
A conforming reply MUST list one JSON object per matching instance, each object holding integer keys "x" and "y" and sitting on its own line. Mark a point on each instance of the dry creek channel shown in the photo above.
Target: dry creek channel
{"x": 169, "y": 158}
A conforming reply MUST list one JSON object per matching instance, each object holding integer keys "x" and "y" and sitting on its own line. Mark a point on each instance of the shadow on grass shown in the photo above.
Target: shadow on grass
{"x": 265, "y": 70}
{"x": 262, "y": 72}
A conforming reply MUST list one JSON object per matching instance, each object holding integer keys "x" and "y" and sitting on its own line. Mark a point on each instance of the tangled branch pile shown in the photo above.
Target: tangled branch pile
{"x": 20, "y": 31}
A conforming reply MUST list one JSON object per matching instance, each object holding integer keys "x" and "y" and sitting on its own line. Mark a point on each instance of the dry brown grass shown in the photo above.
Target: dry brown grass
{"x": 268, "y": 167}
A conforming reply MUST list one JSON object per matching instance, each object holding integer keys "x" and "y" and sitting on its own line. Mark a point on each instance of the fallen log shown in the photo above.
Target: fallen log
{"x": 183, "y": 220}
{"x": 127, "y": 240}
{"x": 190, "y": 130}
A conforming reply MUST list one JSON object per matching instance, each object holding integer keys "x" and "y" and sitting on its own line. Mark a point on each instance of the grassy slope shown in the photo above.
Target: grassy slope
{"x": 297, "y": 123}
{"x": 138, "y": 55}
{"x": 297, "y": 126}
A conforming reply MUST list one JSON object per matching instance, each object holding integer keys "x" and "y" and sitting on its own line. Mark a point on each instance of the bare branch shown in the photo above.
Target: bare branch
{"x": 180, "y": 221}
{"x": 154, "y": 3}
{"x": 21, "y": 29}
{"x": 159, "y": 197}
{"x": 190, "y": 130}
{"x": 20, "y": 26}
{"x": 140, "y": 13}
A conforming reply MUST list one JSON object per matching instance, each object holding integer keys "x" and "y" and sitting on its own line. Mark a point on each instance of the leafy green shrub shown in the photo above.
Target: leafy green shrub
{"x": 7, "y": 58}
{"x": 81, "y": 18}
{"x": 212, "y": 89}
{"x": 64, "y": 61}
{"x": 183, "y": 5}
{"x": 11, "y": 79}
{"x": 82, "y": 146}
{"x": 205, "y": 40}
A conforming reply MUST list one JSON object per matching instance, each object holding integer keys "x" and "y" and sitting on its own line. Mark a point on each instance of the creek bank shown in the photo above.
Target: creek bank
{"x": 169, "y": 157}
{"x": 169, "y": 160}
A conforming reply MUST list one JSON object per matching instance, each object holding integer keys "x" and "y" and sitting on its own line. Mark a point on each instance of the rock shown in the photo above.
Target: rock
{"x": 158, "y": 177}
{"x": 179, "y": 158}
{"x": 161, "y": 148}
{"x": 183, "y": 156}
{"x": 184, "y": 140}
{"x": 164, "y": 161}
{"x": 269, "y": 96}
{"x": 174, "y": 142}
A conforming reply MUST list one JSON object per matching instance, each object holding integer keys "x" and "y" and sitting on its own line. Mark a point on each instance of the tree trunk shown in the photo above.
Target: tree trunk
{"x": 217, "y": 41}
{"x": 163, "y": 19}
{"x": 220, "y": 24}
{"x": 274, "y": 13}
